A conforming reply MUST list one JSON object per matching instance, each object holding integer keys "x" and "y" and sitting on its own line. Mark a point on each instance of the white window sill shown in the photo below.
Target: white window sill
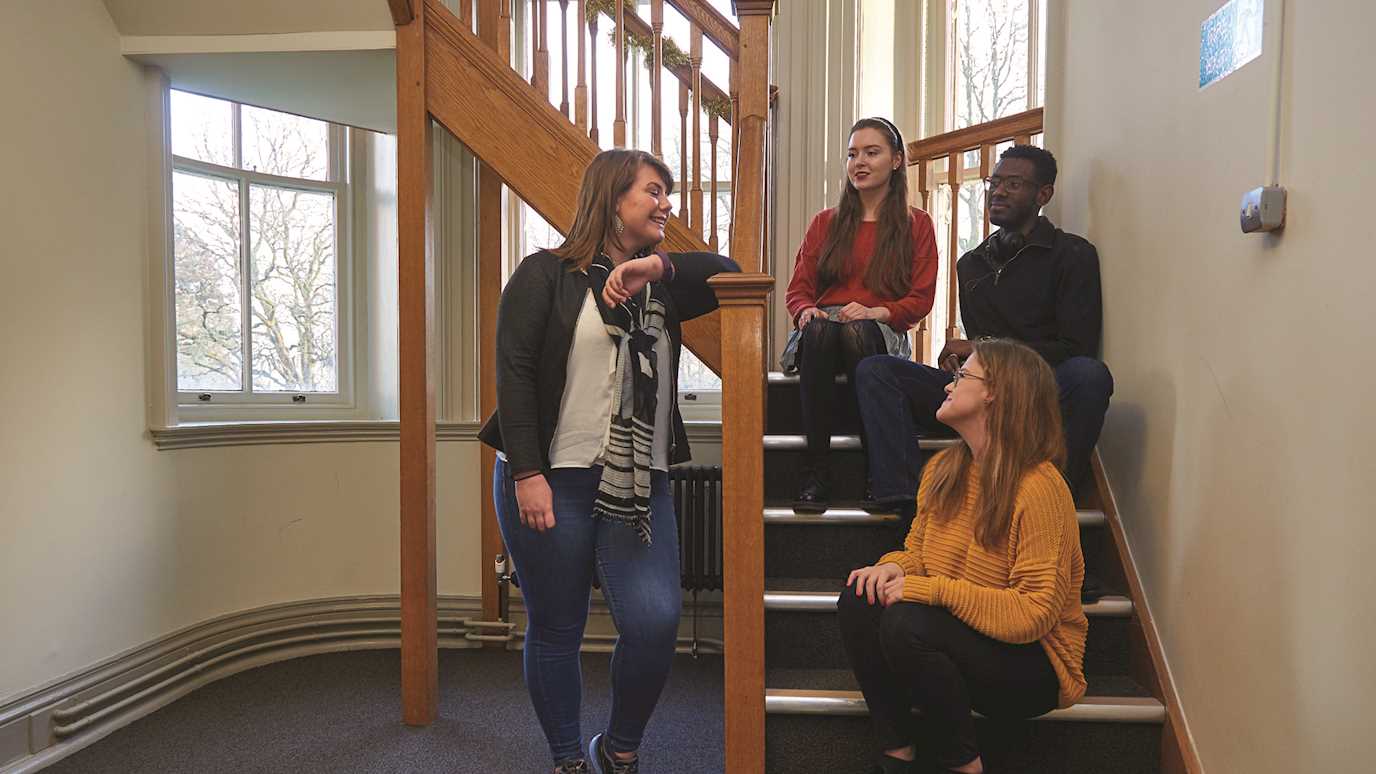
{"x": 198, "y": 435}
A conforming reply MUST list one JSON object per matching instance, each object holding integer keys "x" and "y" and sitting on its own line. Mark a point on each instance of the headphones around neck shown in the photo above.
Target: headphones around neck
{"x": 1008, "y": 242}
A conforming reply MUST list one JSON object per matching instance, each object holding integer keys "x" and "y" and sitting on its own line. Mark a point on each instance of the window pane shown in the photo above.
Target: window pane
{"x": 206, "y": 279}
{"x": 287, "y": 145}
{"x": 202, "y": 128}
{"x": 991, "y": 60}
{"x": 292, "y": 239}
{"x": 694, "y": 375}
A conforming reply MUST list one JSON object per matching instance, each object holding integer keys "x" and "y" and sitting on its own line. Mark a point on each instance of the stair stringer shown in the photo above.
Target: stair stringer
{"x": 533, "y": 147}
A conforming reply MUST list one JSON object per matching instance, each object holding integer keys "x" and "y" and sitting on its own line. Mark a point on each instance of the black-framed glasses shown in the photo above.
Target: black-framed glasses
{"x": 1010, "y": 183}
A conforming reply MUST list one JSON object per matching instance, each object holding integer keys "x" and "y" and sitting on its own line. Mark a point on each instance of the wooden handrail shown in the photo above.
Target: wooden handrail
{"x": 971, "y": 137}
{"x": 716, "y": 27}
{"x": 402, "y": 12}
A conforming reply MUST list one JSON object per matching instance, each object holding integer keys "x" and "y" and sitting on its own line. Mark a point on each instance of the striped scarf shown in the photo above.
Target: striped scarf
{"x": 637, "y": 326}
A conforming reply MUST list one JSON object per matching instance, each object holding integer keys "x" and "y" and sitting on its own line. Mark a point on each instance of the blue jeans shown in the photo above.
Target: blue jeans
{"x": 898, "y": 397}
{"x": 639, "y": 582}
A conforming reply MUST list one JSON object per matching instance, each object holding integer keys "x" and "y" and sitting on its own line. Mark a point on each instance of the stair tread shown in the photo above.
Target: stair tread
{"x": 1109, "y": 605}
{"x": 798, "y": 442}
{"x": 1100, "y": 686}
{"x": 852, "y": 513}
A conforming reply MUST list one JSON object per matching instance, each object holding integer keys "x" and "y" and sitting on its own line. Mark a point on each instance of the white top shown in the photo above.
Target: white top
{"x": 585, "y": 410}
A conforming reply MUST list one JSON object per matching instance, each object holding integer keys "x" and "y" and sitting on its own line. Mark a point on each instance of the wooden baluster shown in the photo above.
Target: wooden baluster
{"x": 466, "y": 13}
{"x": 685, "y": 204}
{"x": 712, "y": 137}
{"x": 633, "y": 75}
{"x": 1023, "y": 139}
{"x": 619, "y": 123}
{"x": 656, "y": 68}
{"x": 564, "y": 53}
{"x": 986, "y": 163}
{"x": 695, "y": 66}
{"x": 592, "y": 107}
{"x": 735, "y": 90}
{"x": 542, "y": 48}
{"x": 922, "y": 353}
{"x": 955, "y": 164}
{"x": 580, "y": 92}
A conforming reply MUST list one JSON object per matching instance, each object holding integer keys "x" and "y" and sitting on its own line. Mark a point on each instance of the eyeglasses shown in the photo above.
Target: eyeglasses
{"x": 1012, "y": 184}
{"x": 958, "y": 373}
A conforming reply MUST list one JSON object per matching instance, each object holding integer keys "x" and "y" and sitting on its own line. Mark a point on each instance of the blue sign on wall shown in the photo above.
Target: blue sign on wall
{"x": 1229, "y": 39}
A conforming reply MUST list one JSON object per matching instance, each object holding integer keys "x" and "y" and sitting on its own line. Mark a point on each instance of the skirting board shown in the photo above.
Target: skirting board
{"x": 44, "y": 725}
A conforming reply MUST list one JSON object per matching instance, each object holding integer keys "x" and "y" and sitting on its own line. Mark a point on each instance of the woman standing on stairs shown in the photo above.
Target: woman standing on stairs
{"x": 587, "y": 424}
{"x": 865, "y": 274}
{"x": 981, "y": 608}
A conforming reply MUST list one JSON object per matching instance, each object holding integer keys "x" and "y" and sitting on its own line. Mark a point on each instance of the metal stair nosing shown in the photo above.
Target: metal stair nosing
{"x": 793, "y": 442}
{"x": 1091, "y": 709}
{"x": 1112, "y": 606}
{"x": 844, "y": 516}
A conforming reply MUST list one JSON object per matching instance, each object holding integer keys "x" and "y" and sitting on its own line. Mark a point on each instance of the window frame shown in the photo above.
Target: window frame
{"x": 246, "y": 404}
{"x": 947, "y": 17}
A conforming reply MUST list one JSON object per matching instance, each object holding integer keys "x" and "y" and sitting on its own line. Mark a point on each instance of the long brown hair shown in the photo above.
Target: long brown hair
{"x": 890, "y": 270}
{"x": 610, "y": 174}
{"x": 1024, "y": 425}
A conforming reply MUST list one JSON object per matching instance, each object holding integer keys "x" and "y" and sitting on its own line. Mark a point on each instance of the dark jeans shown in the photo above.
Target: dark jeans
{"x": 826, "y": 349}
{"x": 897, "y": 396}
{"x": 639, "y": 582}
{"x": 910, "y": 654}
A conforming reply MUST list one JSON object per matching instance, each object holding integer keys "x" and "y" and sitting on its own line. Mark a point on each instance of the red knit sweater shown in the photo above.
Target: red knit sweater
{"x": 905, "y": 312}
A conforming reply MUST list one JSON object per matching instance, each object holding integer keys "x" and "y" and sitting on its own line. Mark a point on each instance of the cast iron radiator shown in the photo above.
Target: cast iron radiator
{"x": 697, "y": 502}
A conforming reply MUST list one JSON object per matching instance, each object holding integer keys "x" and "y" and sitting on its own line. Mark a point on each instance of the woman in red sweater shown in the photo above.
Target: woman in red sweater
{"x": 864, "y": 276}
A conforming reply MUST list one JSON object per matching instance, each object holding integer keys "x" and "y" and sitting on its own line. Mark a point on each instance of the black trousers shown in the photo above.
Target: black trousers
{"x": 911, "y": 655}
{"x": 826, "y": 349}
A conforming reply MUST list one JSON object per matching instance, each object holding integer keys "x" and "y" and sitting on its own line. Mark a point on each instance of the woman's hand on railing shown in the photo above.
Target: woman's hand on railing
{"x": 630, "y": 278}
{"x": 536, "y": 502}
{"x": 874, "y": 582}
{"x": 855, "y": 311}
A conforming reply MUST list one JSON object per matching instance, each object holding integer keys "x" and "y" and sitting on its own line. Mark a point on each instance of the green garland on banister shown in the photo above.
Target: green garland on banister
{"x": 673, "y": 56}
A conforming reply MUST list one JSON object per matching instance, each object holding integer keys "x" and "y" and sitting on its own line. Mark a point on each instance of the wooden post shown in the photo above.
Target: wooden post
{"x": 743, "y": 300}
{"x": 564, "y": 53}
{"x": 619, "y": 122}
{"x": 592, "y": 107}
{"x": 712, "y": 138}
{"x": 748, "y": 211}
{"x": 695, "y": 67}
{"x": 986, "y": 163}
{"x": 656, "y": 70}
{"x": 494, "y": 30}
{"x": 955, "y": 165}
{"x": 580, "y": 92}
{"x": 416, "y": 301}
{"x": 540, "y": 11}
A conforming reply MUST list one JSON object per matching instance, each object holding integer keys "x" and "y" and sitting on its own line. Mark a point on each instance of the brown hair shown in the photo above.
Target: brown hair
{"x": 610, "y": 174}
{"x": 1024, "y": 424}
{"x": 890, "y": 270}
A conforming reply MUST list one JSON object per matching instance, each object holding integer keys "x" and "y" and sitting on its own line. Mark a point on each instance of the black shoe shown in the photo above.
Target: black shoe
{"x": 604, "y": 763}
{"x": 870, "y": 505}
{"x": 812, "y": 496}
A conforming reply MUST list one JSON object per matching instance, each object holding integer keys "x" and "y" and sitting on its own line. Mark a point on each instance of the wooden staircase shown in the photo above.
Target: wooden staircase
{"x": 790, "y": 703}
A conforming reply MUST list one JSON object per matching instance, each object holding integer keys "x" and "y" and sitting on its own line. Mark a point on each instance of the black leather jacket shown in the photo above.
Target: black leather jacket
{"x": 535, "y": 325}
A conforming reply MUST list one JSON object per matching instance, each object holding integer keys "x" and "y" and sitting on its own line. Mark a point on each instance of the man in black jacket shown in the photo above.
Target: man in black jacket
{"x": 1028, "y": 281}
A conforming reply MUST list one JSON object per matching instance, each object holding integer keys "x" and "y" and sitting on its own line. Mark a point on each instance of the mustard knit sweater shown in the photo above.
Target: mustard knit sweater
{"x": 1027, "y": 591}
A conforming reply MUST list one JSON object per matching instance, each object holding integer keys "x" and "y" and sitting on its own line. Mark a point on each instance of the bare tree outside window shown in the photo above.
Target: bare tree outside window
{"x": 990, "y": 82}
{"x": 256, "y": 301}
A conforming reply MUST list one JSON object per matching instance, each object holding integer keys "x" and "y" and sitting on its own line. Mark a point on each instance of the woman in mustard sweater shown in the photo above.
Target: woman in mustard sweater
{"x": 981, "y": 608}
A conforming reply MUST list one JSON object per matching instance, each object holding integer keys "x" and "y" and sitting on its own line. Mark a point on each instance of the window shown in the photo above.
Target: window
{"x": 258, "y": 225}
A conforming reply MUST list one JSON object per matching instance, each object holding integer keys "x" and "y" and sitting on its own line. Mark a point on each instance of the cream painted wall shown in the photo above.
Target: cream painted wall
{"x": 245, "y": 17}
{"x": 1239, "y": 442}
{"x": 107, "y": 542}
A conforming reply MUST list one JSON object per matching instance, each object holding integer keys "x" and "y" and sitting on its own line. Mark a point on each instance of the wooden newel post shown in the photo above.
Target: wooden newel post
{"x": 743, "y": 300}
{"x": 416, "y": 338}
